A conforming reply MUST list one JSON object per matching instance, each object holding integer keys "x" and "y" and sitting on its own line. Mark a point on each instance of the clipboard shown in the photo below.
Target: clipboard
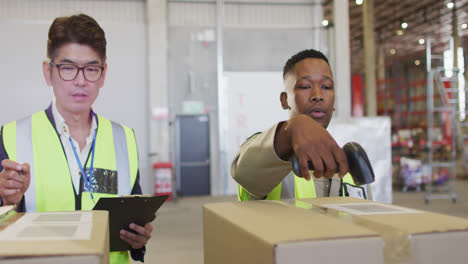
{"x": 125, "y": 210}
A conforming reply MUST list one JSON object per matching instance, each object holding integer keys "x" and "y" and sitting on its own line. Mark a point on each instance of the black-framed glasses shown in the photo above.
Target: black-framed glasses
{"x": 68, "y": 72}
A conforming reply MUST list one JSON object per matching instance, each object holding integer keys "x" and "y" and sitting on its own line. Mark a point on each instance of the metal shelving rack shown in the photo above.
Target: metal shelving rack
{"x": 436, "y": 76}
{"x": 448, "y": 103}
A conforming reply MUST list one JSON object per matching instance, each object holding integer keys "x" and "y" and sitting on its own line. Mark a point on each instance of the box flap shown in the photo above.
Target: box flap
{"x": 261, "y": 218}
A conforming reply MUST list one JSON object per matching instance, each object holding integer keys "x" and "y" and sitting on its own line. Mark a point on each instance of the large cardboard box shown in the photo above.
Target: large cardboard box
{"x": 42, "y": 238}
{"x": 274, "y": 232}
{"x": 410, "y": 236}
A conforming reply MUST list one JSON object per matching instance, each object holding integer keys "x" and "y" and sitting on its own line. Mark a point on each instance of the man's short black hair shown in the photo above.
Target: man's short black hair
{"x": 309, "y": 53}
{"x": 81, "y": 29}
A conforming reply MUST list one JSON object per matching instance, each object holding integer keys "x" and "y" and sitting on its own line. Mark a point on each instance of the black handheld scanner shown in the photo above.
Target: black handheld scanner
{"x": 358, "y": 162}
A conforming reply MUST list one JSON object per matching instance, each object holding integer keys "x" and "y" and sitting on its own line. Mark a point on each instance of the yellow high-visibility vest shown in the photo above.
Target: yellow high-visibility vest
{"x": 34, "y": 140}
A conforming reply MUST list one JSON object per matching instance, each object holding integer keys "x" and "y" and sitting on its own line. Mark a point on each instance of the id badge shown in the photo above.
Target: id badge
{"x": 104, "y": 181}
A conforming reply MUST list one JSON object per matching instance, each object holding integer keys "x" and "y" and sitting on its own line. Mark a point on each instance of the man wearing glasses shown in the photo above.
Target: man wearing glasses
{"x": 67, "y": 157}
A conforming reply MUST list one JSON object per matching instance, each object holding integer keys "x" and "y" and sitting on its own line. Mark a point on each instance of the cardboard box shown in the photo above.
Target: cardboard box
{"x": 410, "y": 236}
{"x": 41, "y": 238}
{"x": 275, "y": 232}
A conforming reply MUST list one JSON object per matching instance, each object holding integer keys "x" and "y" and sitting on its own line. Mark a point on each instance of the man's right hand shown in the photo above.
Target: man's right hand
{"x": 310, "y": 142}
{"x": 14, "y": 181}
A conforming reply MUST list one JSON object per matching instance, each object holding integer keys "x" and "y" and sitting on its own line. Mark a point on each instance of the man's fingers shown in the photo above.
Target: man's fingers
{"x": 143, "y": 234}
{"x": 12, "y": 184}
{"x": 342, "y": 161}
{"x": 134, "y": 240}
{"x": 330, "y": 165}
{"x": 15, "y": 171}
{"x": 13, "y": 175}
{"x": 304, "y": 167}
{"x": 133, "y": 243}
{"x": 11, "y": 165}
{"x": 319, "y": 168}
{"x": 149, "y": 228}
{"x": 26, "y": 174}
{"x": 139, "y": 229}
{"x": 25, "y": 168}
{"x": 8, "y": 192}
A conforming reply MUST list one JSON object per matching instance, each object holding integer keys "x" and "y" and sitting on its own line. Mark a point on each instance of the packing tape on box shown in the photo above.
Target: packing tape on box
{"x": 397, "y": 247}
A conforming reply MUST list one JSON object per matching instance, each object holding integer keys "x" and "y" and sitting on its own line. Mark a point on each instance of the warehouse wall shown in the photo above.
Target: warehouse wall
{"x": 257, "y": 37}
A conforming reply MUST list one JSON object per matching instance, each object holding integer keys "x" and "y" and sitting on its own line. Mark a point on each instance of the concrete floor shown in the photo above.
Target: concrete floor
{"x": 178, "y": 235}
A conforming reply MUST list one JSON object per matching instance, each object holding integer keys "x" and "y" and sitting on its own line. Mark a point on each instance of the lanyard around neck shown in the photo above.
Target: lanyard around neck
{"x": 89, "y": 180}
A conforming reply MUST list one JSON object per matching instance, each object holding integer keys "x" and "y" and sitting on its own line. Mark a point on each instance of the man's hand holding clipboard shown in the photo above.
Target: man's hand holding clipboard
{"x": 130, "y": 219}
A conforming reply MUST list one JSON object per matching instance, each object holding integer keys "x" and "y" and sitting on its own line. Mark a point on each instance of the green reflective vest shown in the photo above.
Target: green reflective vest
{"x": 34, "y": 140}
{"x": 302, "y": 188}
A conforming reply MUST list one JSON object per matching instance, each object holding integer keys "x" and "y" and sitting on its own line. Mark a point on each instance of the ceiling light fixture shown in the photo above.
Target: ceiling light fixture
{"x": 359, "y": 2}
{"x": 464, "y": 25}
{"x": 324, "y": 22}
{"x": 417, "y": 62}
{"x": 450, "y": 5}
{"x": 421, "y": 41}
{"x": 392, "y": 51}
{"x": 404, "y": 25}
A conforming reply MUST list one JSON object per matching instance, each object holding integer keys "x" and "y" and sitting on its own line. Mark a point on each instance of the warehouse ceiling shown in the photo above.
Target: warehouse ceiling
{"x": 424, "y": 18}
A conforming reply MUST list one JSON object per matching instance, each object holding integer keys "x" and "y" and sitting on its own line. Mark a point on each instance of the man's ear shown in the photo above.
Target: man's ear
{"x": 103, "y": 76}
{"x": 46, "y": 71}
{"x": 284, "y": 100}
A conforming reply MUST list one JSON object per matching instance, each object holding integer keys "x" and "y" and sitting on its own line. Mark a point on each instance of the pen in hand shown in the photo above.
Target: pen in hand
{"x": 14, "y": 181}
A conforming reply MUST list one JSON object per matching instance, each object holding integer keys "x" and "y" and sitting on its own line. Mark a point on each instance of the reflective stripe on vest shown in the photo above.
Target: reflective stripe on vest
{"x": 287, "y": 187}
{"x": 25, "y": 153}
{"x": 121, "y": 159}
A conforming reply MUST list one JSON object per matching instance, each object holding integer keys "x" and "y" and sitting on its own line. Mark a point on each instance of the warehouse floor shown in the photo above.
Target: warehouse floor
{"x": 178, "y": 235}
